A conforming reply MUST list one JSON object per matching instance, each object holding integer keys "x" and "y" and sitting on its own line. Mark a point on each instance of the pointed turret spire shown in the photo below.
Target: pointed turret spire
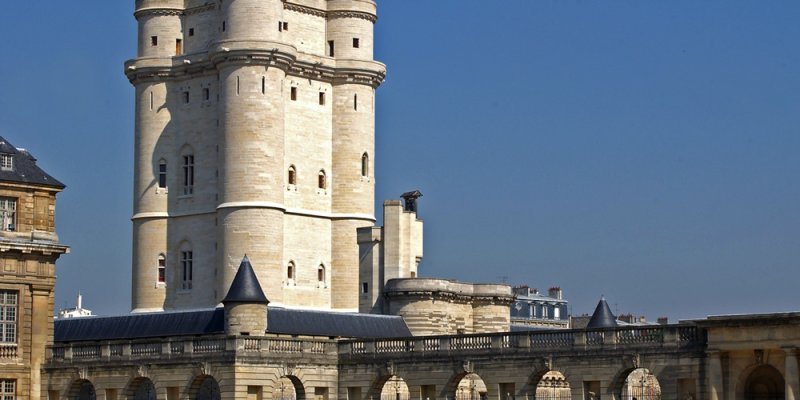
{"x": 245, "y": 287}
{"x": 602, "y": 317}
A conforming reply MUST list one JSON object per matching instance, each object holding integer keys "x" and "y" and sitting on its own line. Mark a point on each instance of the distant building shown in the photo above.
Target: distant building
{"x": 532, "y": 309}
{"x": 75, "y": 312}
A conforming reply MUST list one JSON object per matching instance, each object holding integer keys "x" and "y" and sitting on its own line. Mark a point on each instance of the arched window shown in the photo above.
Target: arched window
{"x": 290, "y": 271}
{"x": 322, "y": 182}
{"x": 188, "y": 174}
{"x": 365, "y": 165}
{"x": 162, "y": 269}
{"x": 321, "y": 274}
{"x": 187, "y": 267}
{"x": 292, "y": 178}
{"x": 162, "y": 174}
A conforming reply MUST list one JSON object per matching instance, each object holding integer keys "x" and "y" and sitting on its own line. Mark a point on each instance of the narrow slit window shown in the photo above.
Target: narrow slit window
{"x": 365, "y": 165}
{"x": 280, "y": 26}
{"x": 364, "y": 287}
{"x": 331, "y": 48}
{"x": 187, "y": 265}
{"x": 154, "y": 40}
{"x": 321, "y": 274}
{"x": 237, "y": 85}
{"x": 188, "y": 175}
{"x": 162, "y": 269}
{"x": 151, "y": 101}
{"x": 178, "y": 47}
{"x": 263, "y": 85}
{"x": 321, "y": 180}
{"x": 355, "y": 102}
{"x": 162, "y": 174}
{"x": 223, "y": 26}
{"x": 185, "y": 97}
{"x": 206, "y": 94}
{"x": 322, "y": 98}
{"x": 292, "y": 175}
{"x": 356, "y": 43}
{"x": 294, "y": 93}
{"x": 290, "y": 271}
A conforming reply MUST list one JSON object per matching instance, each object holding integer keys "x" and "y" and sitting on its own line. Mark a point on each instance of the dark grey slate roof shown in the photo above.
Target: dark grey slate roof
{"x": 602, "y": 317}
{"x": 245, "y": 287}
{"x": 280, "y": 320}
{"x": 24, "y": 168}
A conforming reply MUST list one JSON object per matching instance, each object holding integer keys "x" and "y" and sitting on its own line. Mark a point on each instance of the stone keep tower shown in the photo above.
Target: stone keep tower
{"x": 254, "y": 133}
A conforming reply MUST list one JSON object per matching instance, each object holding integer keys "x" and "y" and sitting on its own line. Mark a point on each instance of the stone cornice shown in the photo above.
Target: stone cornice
{"x": 304, "y": 10}
{"x": 352, "y": 14}
{"x": 158, "y": 12}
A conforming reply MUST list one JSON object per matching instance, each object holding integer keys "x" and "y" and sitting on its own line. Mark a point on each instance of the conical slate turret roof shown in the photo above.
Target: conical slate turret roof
{"x": 245, "y": 287}
{"x": 602, "y": 317}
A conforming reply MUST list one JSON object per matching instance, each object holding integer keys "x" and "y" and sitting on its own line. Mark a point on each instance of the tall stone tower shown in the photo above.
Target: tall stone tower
{"x": 254, "y": 134}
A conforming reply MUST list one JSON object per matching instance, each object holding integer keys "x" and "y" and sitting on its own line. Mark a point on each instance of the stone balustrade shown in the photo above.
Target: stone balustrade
{"x": 188, "y": 347}
{"x": 631, "y": 337}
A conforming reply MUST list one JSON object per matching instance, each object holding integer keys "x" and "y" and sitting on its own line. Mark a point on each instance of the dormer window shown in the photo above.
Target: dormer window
{"x": 8, "y": 214}
{"x": 6, "y": 162}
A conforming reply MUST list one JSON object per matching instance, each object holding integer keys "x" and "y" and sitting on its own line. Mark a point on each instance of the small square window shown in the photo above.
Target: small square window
{"x": 286, "y": 26}
{"x": 356, "y": 43}
{"x": 294, "y": 93}
{"x": 154, "y": 40}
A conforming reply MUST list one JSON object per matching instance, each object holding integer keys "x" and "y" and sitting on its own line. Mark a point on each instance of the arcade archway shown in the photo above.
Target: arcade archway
{"x": 471, "y": 387}
{"x": 641, "y": 384}
{"x": 82, "y": 390}
{"x": 764, "y": 383}
{"x": 553, "y": 385}
{"x": 395, "y": 388}
{"x": 288, "y": 387}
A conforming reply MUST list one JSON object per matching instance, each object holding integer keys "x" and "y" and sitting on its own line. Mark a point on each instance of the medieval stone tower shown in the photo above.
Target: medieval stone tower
{"x": 254, "y": 134}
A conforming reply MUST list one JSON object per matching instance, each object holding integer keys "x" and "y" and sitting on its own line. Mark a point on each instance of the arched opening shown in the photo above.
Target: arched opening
{"x": 641, "y": 384}
{"x": 162, "y": 174}
{"x": 395, "y": 388}
{"x": 205, "y": 387}
{"x": 82, "y": 390}
{"x": 365, "y": 165}
{"x": 292, "y": 178}
{"x": 288, "y": 387}
{"x": 764, "y": 383}
{"x": 141, "y": 389}
{"x": 322, "y": 182}
{"x": 162, "y": 269}
{"x": 553, "y": 385}
{"x": 471, "y": 387}
{"x": 290, "y": 273}
{"x": 321, "y": 275}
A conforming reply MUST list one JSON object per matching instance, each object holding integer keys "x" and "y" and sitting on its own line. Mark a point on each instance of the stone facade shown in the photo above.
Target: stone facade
{"x": 254, "y": 135}
{"x": 29, "y": 248}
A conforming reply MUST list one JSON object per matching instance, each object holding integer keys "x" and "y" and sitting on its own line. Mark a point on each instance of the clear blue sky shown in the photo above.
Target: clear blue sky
{"x": 648, "y": 151}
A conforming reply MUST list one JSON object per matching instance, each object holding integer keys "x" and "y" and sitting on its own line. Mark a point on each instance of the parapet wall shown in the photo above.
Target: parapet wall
{"x": 445, "y": 307}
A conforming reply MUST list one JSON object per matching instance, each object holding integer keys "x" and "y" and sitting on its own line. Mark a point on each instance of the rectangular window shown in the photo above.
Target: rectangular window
{"x": 223, "y": 26}
{"x": 178, "y": 47}
{"x": 8, "y": 214}
{"x": 283, "y": 26}
{"x": 186, "y": 263}
{"x": 191, "y": 31}
{"x": 356, "y": 43}
{"x": 162, "y": 269}
{"x": 364, "y": 287}
{"x": 286, "y": 26}
{"x": 322, "y": 98}
{"x": 162, "y": 175}
{"x": 185, "y": 97}
{"x": 330, "y": 48}
{"x": 188, "y": 175}
{"x": 8, "y": 389}
{"x": 294, "y": 93}
{"x": 8, "y": 316}
{"x": 154, "y": 40}
{"x": 206, "y": 94}
{"x": 6, "y": 162}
